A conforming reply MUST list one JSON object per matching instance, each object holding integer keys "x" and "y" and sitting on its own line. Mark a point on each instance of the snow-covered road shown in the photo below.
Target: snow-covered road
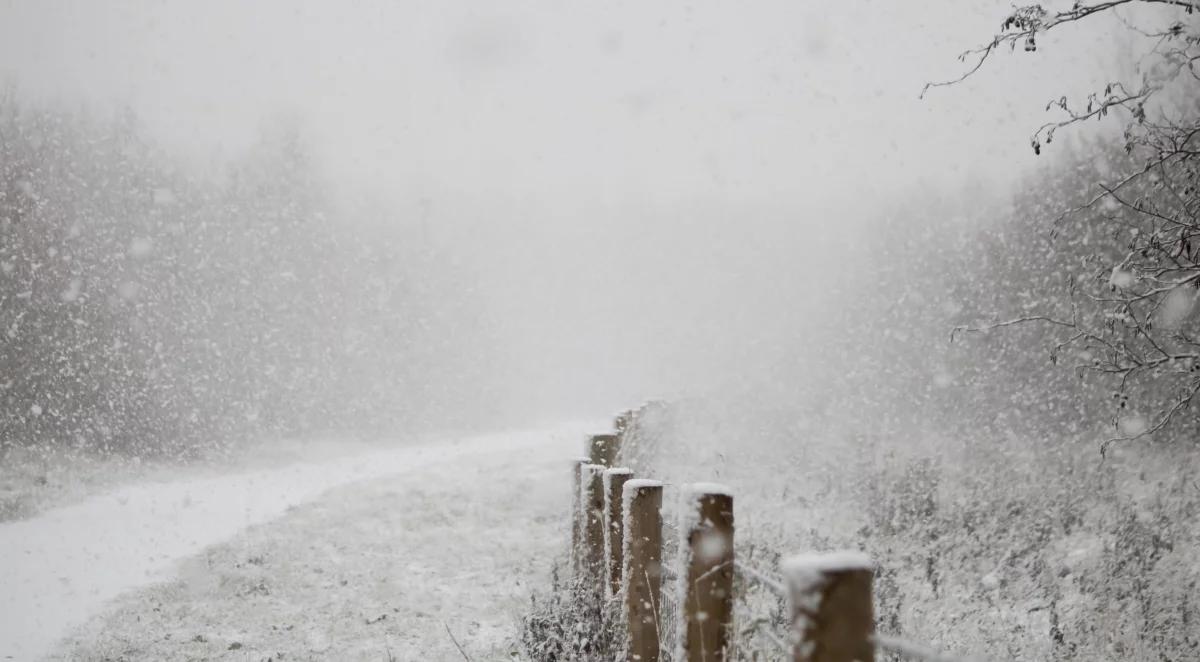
{"x": 60, "y": 568}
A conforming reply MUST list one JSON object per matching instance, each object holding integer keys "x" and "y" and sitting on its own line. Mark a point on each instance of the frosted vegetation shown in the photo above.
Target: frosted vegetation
{"x": 1004, "y": 418}
{"x": 989, "y": 391}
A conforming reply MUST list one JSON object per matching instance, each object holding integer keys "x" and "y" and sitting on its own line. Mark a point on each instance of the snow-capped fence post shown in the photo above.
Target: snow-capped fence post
{"x": 706, "y": 578}
{"x": 833, "y": 617}
{"x": 642, "y": 574}
{"x": 592, "y": 498}
{"x": 603, "y": 449}
{"x": 577, "y": 514}
{"x": 614, "y": 526}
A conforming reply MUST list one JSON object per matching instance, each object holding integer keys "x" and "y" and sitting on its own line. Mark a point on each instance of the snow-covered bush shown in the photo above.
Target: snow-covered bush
{"x": 971, "y": 471}
{"x": 999, "y": 547}
{"x": 571, "y": 622}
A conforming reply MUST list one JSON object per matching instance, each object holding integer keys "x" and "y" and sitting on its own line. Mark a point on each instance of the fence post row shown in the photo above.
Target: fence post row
{"x": 614, "y": 525}
{"x": 617, "y": 543}
{"x": 642, "y": 574}
{"x": 705, "y": 634}
{"x": 833, "y": 617}
{"x": 602, "y": 453}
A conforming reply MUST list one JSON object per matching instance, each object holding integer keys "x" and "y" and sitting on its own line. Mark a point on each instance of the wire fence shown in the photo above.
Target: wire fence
{"x": 818, "y": 608}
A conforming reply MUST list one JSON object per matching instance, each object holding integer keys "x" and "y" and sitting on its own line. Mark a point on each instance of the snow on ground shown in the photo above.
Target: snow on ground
{"x": 37, "y": 479}
{"x": 32, "y": 482}
{"x": 425, "y": 535}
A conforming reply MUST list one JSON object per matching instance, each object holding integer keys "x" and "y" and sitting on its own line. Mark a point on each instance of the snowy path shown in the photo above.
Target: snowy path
{"x": 59, "y": 569}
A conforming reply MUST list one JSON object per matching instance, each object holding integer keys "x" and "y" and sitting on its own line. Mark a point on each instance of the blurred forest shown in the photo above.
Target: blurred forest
{"x": 149, "y": 311}
{"x": 1029, "y": 489}
{"x": 992, "y": 397}
{"x": 971, "y": 470}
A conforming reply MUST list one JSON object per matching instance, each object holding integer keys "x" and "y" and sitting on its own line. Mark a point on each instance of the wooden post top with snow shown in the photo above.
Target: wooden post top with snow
{"x": 833, "y": 617}
{"x": 642, "y": 574}
{"x": 706, "y": 580}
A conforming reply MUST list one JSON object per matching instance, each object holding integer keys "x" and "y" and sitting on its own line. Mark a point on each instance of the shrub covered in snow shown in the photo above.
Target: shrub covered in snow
{"x": 1019, "y": 550}
{"x": 572, "y": 622}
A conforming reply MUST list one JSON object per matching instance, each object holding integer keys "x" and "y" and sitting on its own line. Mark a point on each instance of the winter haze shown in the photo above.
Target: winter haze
{"x": 700, "y": 168}
{"x": 308, "y": 308}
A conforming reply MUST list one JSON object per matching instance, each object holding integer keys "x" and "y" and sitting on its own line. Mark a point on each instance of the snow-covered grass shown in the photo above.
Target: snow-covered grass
{"x": 34, "y": 480}
{"x": 571, "y": 620}
{"x": 998, "y": 548}
{"x": 38, "y": 478}
{"x": 446, "y": 534}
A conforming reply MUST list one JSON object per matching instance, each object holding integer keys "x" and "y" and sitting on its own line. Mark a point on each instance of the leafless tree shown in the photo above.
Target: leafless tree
{"x": 1133, "y": 311}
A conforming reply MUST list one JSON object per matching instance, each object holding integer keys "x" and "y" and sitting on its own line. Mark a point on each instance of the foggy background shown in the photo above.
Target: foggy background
{"x": 228, "y": 224}
{"x": 637, "y": 200}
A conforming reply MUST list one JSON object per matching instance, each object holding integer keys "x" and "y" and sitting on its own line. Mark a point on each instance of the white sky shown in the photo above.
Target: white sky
{"x": 571, "y": 101}
{"x": 696, "y": 166}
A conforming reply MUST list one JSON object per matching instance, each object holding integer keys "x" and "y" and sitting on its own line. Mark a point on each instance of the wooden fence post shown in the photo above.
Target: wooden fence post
{"x": 642, "y": 574}
{"x": 577, "y": 515}
{"x": 622, "y": 421}
{"x": 592, "y": 498}
{"x": 603, "y": 449}
{"x": 832, "y": 613}
{"x": 614, "y": 525}
{"x": 706, "y": 631}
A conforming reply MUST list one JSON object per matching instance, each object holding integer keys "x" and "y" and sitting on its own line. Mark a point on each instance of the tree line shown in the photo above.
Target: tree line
{"x": 145, "y": 308}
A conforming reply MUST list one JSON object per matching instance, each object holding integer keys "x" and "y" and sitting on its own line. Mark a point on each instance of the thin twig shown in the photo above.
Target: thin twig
{"x": 775, "y": 585}
{"x": 456, "y": 644}
{"x": 710, "y": 572}
{"x": 999, "y": 325}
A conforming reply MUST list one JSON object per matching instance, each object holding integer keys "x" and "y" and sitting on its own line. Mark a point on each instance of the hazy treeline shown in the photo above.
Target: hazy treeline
{"x": 944, "y": 268}
{"x": 146, "y": 309}
{"x": 971, "y": 470}
{"x": 994, "y": 490}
